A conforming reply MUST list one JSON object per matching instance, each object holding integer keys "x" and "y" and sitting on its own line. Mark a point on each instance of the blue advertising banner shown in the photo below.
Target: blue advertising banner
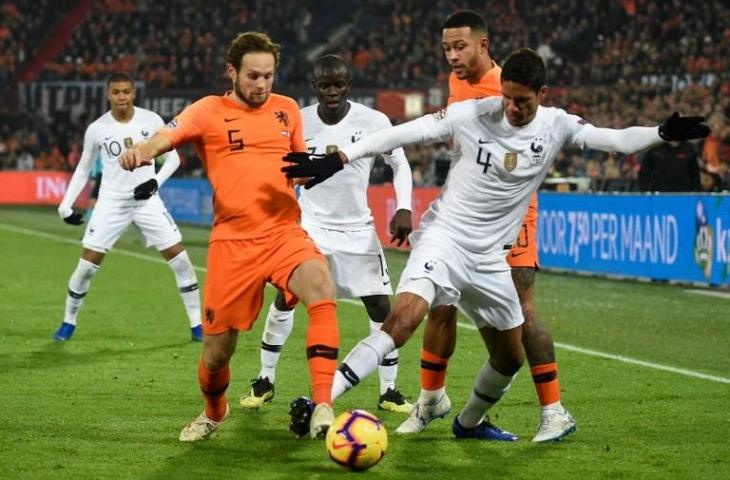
{"x": 188, "y": 200}
{"x": 665, "y": 237}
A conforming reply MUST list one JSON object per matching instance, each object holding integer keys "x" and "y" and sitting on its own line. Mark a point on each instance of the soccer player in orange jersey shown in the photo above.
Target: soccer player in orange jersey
{"x": 241, "y": 138}
{"x": 475, "y": 75}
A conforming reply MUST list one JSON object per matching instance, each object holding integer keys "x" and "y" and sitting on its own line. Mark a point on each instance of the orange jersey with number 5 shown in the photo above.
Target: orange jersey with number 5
{"x": 241, "y": 149}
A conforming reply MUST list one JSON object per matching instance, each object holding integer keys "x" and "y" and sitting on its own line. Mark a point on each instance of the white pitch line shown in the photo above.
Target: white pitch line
{"x": 709, "y": 293}
{"x": 468, "y": 326}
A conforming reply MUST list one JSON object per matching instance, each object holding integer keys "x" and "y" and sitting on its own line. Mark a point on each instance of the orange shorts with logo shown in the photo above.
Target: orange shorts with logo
{"x": 238, "y": 271}
{"x": 524, "y": 250}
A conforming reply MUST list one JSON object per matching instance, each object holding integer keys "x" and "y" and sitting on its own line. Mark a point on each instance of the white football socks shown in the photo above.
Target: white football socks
{"x": 489, "y": 387}
{"x": 187, "y": 285}
{"x": 388, "y": 368}
{"x": 78, "y": 286}
{"x": 278, "y": 326}
{"x": 361, "y": 361}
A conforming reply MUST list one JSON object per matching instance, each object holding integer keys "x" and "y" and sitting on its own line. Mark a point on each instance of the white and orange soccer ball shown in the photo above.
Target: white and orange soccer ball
{"x": 357, "y": 440}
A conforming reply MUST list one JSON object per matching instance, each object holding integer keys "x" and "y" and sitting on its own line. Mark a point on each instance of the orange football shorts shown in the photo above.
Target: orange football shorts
{"x": 238, "y": 271}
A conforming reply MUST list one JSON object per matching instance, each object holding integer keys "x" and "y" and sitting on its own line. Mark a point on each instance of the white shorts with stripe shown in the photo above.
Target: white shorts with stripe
{"x": 356, "y": 260}
{"x": 480, "y": 285}
{"x": 112, "y": 217}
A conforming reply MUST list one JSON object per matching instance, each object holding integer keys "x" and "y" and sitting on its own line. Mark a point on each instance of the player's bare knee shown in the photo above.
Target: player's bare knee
{"x": 400, "y": 325}
{"x": 508, "y": 362}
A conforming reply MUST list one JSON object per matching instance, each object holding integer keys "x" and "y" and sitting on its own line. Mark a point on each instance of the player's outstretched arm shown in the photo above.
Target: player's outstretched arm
{"x": 144, "y": 153}
{"x": 634, "y": 139}
{"x": 320, "y": 167}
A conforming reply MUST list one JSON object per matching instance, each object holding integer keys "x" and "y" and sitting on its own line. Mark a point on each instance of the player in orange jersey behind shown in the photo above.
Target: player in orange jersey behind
{"x": 241, "y": 138}
{"x": 475, "y": 75}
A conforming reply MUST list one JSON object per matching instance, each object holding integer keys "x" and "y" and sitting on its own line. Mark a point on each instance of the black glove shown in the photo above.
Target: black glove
{"x": 305, "y": 165}
{"x": 677, "y": 128}
{"x": 74, "y": 219}
{"x": 145, "y": 190}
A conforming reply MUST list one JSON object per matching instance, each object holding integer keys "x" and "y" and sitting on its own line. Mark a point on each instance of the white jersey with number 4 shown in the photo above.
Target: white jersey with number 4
{"x": 340, "y": 202}
{"x": 498, "y": 166}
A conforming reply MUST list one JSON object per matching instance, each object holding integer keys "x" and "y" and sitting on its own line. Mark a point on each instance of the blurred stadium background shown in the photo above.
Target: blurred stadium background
{"x": 645, "y": 365}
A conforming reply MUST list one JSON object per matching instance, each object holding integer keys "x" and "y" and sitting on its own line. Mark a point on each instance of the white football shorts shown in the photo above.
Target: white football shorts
{"x": 480, "y": 285}
{"x": 111, "y": 218}
{"x": 356, "y": 260}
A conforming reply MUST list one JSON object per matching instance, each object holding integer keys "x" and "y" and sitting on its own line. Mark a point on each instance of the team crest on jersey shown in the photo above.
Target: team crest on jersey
{"x": 536, "y": 149}
{"x": 128, "y": 142}
{"x": 282, "y": 117}
{"x": 329, "y": 149}
{"x": 145, "y": 133}
{"x": 510, "y": 161}
{"x": 441, "y": 114}
{"x": 355, "y": 137}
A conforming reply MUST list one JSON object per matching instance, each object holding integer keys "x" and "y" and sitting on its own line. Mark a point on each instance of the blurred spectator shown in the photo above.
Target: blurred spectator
{"x": 670, "y": 167}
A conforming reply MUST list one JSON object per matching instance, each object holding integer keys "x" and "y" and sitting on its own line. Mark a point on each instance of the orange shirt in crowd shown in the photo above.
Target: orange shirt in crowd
{"x": 241, "y": 150}
{"x": 489, "y": 85}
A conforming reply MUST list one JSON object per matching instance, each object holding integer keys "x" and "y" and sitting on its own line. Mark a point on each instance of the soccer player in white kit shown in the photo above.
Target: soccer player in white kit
{"x": 337, "y": 217}
{"x": 124, "y": 198}
{"x": 506, "y": 145}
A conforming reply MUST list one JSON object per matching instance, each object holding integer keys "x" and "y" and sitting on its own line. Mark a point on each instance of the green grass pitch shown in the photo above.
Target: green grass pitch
{"x": 110, "y": 403}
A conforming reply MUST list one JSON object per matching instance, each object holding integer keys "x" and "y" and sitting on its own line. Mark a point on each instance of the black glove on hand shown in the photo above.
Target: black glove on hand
{"x": 74, "y": 219}
{"x": 145, "y": 190}
{"x": 305, "y": 165}
{"x": 677, "y": 128}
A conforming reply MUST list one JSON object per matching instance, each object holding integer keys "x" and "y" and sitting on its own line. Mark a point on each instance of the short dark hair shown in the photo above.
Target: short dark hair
{"x": 118, "y": 77}
{"x": 249, "y": 42}
{"x": 526, "y": 67}
{"x": 466, "y": 18}
{"x": 330, "y": 62}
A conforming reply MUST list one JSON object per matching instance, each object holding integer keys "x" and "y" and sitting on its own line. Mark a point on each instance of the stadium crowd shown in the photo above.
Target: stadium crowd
{"x": 616, "y": 63}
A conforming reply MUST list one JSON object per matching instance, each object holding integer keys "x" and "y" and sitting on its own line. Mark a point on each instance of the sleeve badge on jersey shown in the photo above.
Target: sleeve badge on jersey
{"x": 172, "y": 124}
{"x": 441, "y": 114}
{"x": 510, "y": 161}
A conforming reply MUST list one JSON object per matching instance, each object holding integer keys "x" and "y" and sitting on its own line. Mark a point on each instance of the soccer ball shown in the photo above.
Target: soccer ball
{"x": 357, "y": 440}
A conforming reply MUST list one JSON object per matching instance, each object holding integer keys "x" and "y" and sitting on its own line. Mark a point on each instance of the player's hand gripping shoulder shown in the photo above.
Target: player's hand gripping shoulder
{"x": 135, "y": 156}
{"x": 145, "y": 190}
{"x": 677, "y": 128}
{"x": 317, "y": 167}
{"x": 401, "y": 226}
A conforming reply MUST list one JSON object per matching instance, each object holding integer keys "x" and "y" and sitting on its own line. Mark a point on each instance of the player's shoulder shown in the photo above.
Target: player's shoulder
{"x": 370, "y": 115}
{"x": 282, "y": 101}
{"x": 558, "y": 119}
{"x": 147, "y": 115}
{"x": 102, "y": 122}
{"x": 476, "y": 108}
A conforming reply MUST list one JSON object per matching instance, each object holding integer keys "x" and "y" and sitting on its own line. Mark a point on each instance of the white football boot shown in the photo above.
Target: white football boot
{"x": 555, "y": 424}
{"x": 322, "y": 418}
{"x": 421, "y": 415}
{"x": 201, "y": 428}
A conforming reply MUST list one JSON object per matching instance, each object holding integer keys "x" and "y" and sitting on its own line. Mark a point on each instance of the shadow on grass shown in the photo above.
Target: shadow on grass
{"x": 58, "y": 355}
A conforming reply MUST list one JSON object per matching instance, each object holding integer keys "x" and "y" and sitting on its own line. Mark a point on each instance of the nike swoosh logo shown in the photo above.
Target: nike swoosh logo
{"x": 338, "y": 446}
{"x": 107, "y": 138}
{"x": 516, "y": 254}
{"x": 482, "y": 142}
{"x": 230, "y": 119}
{"x": 386, "y": 283}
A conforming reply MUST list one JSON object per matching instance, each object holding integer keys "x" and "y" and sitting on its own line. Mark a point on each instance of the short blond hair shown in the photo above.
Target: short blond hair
{"x": 249, "y": 42}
